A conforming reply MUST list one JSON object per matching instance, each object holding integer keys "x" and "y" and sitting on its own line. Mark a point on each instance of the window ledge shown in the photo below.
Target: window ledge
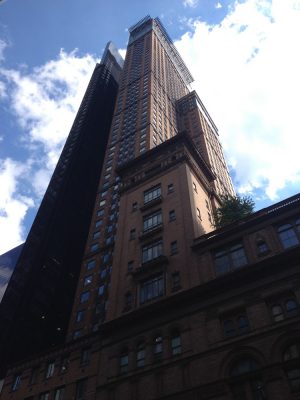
{"x": 151, "y": 232}
{"x": 151, "y": 203}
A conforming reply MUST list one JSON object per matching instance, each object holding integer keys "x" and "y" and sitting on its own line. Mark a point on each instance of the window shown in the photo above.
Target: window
{"x": 85, "y": 356}
{"x": 102, "y": 202}
{"x": 100, "y": 213}
{"x": 64, "y": 365}
{"x": 59, "y": 393}
{"x": 195, "y": 187}
{"x": 151, "y": 221}
{"x": 291, "y": 358}
{"x": 44, "y": 396}
{"x": 152, "y": 251}
{"x": 152, "y": 194}
{"x": 140, "y": 355}
{"x": 80, "y": 316}
{"x": 246, "y": 380}
{"x": 94, "y": 247}
{"x": 101, "y": 290}
{"x": 130, "y": 266}
{"x": 198, "y": 213}
{"x": 77, "y": 334}
{"x": 132, "y": 234}
{"x": 81, "y": 387}
{"x": 124, "y": 362}
{"x": 170, "y": 188}
{"x": 84, "y": 296}
{"x": 91, "y": 264}
{"x": 174, "y": 247}
{"x": 235, "y": 325}
{"x": 284, "y": 309}
{"x": 152, "y": 288}
{"x": 176, "y": 344}
{"x": 96, "y": 235}
{"x": 134, "y": 206}
{"x": 172, "y": 215}
{"x": 34, "y": 375}
{"x": 50, "y": 369}
{"x": 262, "y": 247}
{"x": 289, "y": 234}
{"x": 176, "y": 280}
{"x": 230, "y": 259}
{"x": 157, "y": 347}
{"x": 87, "y": 280}
{"x": 16, "y": 382}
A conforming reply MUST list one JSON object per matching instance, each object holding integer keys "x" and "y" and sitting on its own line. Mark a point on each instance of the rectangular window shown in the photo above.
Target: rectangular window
{"x": 152, "y": 288}
{"x": 85, "y": 356}
{"x": 81, "y": 387}
{"x": 170, "y": 188}
{"x": 124, "y": 363}
{"x": 152, "y": 251}
{"x": 289, "y": 234}
{"x": 87, "y": 280}
{"x": 151, "y": 221}
{"x": 229, "y": 259}
{"x": 16, "y": 382}
{"x": 44, "y": 396}
{"x": 174, "y": 247}
{"x": 84, "y": 296}
{"x": 198, "y": 213}
{"x": 195, "y": 187}
{"x": 96, "y": 235}
{"x": 91, "y": 264}
{"x": 101, "y": 290}
{"x": 132, "y": 234}
{"x": 50, "y": 369}
{"x": 80, "y": 316}
{"x": 152, "y": 194}
{"x": 59, "y": 393}
{"x": 176, "y": 345}
{"x": 130, "y": 266}
{"x": 94, "y": 247}
{"x": 172, "y": 215}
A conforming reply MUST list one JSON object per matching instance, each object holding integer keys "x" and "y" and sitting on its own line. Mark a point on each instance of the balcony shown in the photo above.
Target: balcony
{"x": 151, "y": 231}
{"x": 151, "y": 267}
{"x": 151, "y": 203}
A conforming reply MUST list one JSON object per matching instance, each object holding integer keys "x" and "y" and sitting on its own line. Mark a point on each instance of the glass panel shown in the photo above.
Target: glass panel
{"x": 244, "y": 366}
{"x": 287, "y": 236}
{"x": 229, "y": 328}
{"x": 238, "y": 256}
{"x": 277, "y": 313}
{"x": 292, "y": 352}
{"x": 291, "y": 305}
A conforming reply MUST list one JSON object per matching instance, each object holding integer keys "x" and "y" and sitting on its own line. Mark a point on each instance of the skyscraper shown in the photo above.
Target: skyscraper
{"x": 167, "y": 307}
{"x": 35, "y": 309}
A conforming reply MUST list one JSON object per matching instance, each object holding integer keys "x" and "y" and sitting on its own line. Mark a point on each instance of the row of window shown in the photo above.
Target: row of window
{"x": 157, "y": 352}
{"x": 238, "y": 323}
{"x": 233, "y": 257}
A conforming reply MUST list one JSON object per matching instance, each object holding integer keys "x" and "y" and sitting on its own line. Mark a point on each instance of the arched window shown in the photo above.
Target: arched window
{"x": 246, "y": 382}
{"x": 291, "y": 357}
{"x": 262, "y": 247}
{"x": 140, "y": 355}
{"x": 176, "y": 344}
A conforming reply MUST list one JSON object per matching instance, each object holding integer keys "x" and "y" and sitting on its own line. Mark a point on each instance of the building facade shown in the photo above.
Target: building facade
{"x": 167, "y": 307}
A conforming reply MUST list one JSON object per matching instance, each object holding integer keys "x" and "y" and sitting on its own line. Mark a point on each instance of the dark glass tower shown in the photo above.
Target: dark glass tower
{"x": 35, "y": 309}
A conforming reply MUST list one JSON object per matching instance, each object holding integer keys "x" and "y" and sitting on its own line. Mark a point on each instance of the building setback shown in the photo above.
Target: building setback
{"x": 167, "y": 307}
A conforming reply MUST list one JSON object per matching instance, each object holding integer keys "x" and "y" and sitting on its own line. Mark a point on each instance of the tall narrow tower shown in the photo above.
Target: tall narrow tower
{"x": 35, "y": 309}
{"x": 152, "y": 107}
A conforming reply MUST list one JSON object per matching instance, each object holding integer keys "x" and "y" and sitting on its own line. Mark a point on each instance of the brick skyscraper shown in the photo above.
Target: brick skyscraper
{"x": 166, "y": 307}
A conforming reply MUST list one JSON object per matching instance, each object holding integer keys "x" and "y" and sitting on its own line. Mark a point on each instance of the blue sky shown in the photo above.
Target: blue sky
{"x": 243, "y": 54}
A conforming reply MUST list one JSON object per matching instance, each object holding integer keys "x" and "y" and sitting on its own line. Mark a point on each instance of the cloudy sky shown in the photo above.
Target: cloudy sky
{"x": 243, "y": 54}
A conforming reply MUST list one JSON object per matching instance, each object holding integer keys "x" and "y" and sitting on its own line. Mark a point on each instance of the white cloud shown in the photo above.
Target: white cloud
{"x": 218, "y": 5}
{"x": 45, "y": 102}
{"x": 13, "y": 206}
{"x": 247, "y": 73}
{"x": 190, "y": 3}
